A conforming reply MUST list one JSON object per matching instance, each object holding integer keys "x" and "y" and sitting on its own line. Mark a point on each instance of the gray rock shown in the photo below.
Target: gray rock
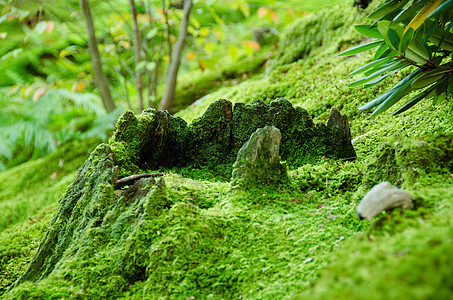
{"x": 339, "y": 122}
{"x": 258, "y": 161}
{"x": 383, "y": 196}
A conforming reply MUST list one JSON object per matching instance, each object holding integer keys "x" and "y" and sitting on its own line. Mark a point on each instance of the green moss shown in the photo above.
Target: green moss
{"x": 18, "y": 244}
{"x": 181, "y": 237}
{"x": 325, "y": 32}
{"x": 405, "y": 161}
{"x": 412, "y": 262}
{"x": 199, "y": 84}
{"x": 32, "y": 186}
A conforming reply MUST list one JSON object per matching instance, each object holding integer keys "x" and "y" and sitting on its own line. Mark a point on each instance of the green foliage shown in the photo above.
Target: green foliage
{"x": 35, "y": 125}
{"x": 414, "y": 35}
{"x": 263, "y": 243}
{"x": 404, "y": 256}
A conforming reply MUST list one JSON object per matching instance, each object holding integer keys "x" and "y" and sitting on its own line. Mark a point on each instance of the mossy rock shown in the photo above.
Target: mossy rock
{"x": 258, "y": 161}
{"x": 155, "y": 139}
{"x": 401, "y": 162}
{"x": 99, "y": 221}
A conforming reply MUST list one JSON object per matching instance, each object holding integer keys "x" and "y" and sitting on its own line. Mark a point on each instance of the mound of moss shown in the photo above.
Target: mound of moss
{"x": 179, "y": 237}
{"x": 156, "y": 139}
{"x": 405, "y": 161}
{"x": 98, "y": 220}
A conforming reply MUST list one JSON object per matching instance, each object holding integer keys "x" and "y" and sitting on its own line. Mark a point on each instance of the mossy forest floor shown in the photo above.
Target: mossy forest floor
{"x": 298, "y": 241}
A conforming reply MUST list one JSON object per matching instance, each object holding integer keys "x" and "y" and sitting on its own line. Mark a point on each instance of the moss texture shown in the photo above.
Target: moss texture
{"x": 191, "y": 236}
{"x": 403, "y": 162}
{"x": 98, "y": 220}
{"x": 155, "y": 139}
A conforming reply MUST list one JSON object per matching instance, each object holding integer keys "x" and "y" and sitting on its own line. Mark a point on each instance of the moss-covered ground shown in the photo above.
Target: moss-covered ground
{"x": 301, "y": 240}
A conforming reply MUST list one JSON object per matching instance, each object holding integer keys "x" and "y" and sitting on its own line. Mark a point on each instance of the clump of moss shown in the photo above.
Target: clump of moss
{"x": 327, "y": 30}
{"x": 155, "y": 139}
{"x": 404, "y": 161}
{"x": 193, "y": 88}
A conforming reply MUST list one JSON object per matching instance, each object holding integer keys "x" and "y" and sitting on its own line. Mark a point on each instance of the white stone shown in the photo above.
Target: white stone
{"x": 383, "y": 196}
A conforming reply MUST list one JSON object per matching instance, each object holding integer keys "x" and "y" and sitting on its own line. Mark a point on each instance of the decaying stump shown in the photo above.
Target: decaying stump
{"x": 106, "y": 204}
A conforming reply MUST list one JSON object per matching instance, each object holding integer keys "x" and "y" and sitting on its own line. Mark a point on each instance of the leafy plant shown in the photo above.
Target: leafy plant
{"x": 35, "y": 121}
{"x": 414, "y": 35}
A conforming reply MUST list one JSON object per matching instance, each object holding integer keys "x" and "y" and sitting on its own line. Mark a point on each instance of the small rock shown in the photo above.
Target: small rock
{"x": 383, "y": 196}
{"x": 258, "y": 161}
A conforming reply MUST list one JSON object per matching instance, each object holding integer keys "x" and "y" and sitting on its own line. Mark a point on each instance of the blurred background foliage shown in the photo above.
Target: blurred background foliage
{"x": 48, "y": 94}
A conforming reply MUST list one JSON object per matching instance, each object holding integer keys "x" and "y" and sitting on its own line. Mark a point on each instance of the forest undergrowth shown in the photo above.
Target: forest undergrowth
{"x": 298, "y": 241}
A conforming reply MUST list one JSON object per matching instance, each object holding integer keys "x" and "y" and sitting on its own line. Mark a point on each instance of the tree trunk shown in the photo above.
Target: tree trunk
{"x": 169, "y": 96}
{"x": 138, "y": 72}
{"x": 164, "y": 9}
{"x": 99, "y": 76}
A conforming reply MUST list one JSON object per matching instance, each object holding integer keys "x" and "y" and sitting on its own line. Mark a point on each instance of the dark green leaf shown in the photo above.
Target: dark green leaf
{"x": 417, "y": 53}
{"x": 381, "y": 51}
{"x": 405, "y": 40}
{"x": 375, "y": 102}
{"x": 444, "y": 7}
{"x": 428, "y": 78}
{"x": 370, "y": 65}
{"x": 414, "y": 100}
{"x": 409, "y": 12}
{"x": 396, "y": 64}
{"x": 361, "y": 48}
{"x": 379, "y": 79}
{"x": 387, "y": 8}
{"x": 390, "y": 66}
{"x": 368, "y": 31}
{"x": 394, "y": 38}
{"x": 404, "y": 88}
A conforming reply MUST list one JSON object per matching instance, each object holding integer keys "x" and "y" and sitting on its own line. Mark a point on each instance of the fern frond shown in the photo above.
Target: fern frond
{"x": 89, "y": 102}
{"x": 16, "y": 77}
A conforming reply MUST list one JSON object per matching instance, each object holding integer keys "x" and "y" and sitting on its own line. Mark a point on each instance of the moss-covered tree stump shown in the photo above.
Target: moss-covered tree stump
{"x": 116, "y": 235}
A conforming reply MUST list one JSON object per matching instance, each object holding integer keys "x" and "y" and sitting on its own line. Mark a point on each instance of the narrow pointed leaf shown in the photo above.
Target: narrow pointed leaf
{"x": 361, "y": 48}
{"x": 400, "y": 90}
{"x": 444, "y": 7}
{"x": 369, "y": 31}
{"x": 414, "y": 100}
{"x": 423, "y": 14}
{"x": 405, "y": 40}
{"x": 381, "y": 51}
{"x": 429, "y": 77}
{"x": 370, "y": 65}
{"x": 379, "y": 100}
{"x": 396, "y": 64}
{"x": 387, "y": 8}
{"x": 393, "y": 65}
{"x": 394, "y": 38}
{"x": 409, "y": 11}
{"x": 379, "y": 79}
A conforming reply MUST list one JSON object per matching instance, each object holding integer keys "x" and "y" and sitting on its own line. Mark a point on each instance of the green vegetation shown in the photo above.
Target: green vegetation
{"x": 415, "y": 36}
{"x": 191, "y": 236}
